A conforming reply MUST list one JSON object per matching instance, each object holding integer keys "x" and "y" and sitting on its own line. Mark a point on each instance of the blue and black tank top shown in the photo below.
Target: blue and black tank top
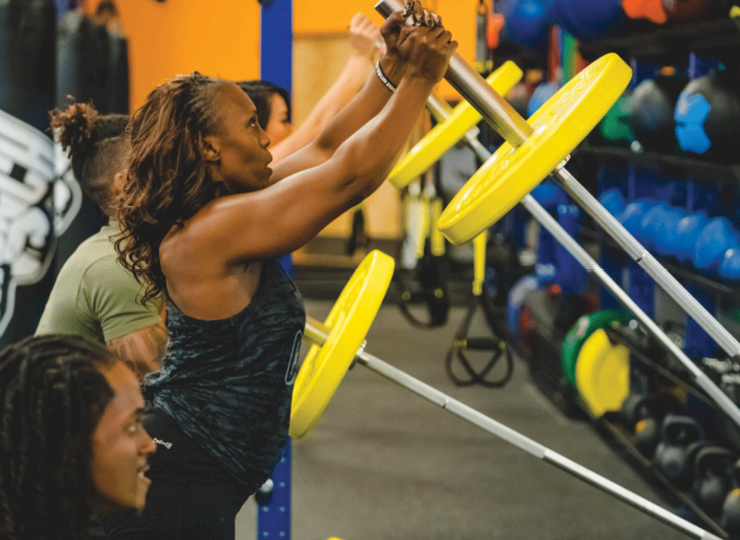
{"x": 228, "y": 383}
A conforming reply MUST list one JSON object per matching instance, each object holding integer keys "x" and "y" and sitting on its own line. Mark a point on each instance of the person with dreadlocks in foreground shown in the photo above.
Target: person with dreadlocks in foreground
{"x": 71, "y": 440}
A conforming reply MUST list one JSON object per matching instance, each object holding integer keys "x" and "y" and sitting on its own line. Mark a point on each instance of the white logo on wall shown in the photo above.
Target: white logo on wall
{"x": 36, "y": 206}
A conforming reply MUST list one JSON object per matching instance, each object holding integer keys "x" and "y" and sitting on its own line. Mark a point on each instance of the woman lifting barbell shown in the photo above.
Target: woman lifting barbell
{"x": 203, "y": 218}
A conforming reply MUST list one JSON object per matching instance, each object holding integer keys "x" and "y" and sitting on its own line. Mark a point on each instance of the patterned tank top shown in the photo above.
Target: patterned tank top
{"x": 228, "y": 383}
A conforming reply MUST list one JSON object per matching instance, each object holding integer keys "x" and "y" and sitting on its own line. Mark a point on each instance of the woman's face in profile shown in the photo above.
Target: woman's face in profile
{"x": 121, "y": 446}
{"x": 278, "y": 126}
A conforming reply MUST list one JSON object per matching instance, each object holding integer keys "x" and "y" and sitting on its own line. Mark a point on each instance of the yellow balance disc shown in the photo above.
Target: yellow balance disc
{"x": 448, "y": 133}
{"x": 603, "y": 373}
{"x": 349, "y": 321}
{"x": 558, "y": 127}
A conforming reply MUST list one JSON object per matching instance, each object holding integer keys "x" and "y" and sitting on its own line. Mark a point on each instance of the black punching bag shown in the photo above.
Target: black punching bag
{"x": 92, "y": 65}
{"x": 27, "y": 86}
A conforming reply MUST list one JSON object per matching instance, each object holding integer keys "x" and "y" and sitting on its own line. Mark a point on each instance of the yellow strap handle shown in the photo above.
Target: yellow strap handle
{"x": 479, "y": 262}
{"x": 436, "y": 239}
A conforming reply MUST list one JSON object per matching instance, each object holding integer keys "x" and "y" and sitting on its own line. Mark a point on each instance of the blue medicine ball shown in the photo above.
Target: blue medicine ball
{"x": 588, "y": 18}
{"x": 652, "y": 112}
{"x": 527, "y": 22}
{"x": 707, "y": 119}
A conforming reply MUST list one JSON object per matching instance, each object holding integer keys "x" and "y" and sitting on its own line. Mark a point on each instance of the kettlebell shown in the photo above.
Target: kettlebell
{"x": 681, "y": 437}
{"x": 644, "y": 411}
{"x": 613, "y": 200}
{"x": 717, "y": 236}
{"x": 687, "y": 232}
{"x": 712, "y": 480}
{"x": 730, "y": 517}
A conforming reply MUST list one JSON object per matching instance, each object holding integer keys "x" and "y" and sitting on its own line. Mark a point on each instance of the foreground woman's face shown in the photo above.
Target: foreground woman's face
{"x": 239, "y": 156}
{"x": 121, "y": 446}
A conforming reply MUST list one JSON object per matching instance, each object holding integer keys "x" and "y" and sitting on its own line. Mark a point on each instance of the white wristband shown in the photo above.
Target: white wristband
{"x": 388, "y": 84}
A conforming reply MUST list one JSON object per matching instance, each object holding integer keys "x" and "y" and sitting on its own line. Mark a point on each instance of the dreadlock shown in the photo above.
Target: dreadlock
{"x": 53, "y": 393}
{"x": 168, "y": 180}
{"x": 97, "y": 145}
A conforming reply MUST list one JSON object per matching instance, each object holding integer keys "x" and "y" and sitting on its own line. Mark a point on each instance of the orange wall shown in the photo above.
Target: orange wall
{"x": 220, "y": 38}
{"x": 332, "y": 16}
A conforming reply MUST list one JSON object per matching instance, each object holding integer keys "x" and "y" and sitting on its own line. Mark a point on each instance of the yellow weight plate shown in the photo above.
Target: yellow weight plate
{"x": 603, "y": 373}
{"x": 558, "y": 127}
{"x": 349, "y": 320}
{"x": 445, "y": 135}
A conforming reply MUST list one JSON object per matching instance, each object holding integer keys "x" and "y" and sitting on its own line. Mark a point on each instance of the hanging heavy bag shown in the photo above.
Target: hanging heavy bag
{"x": 27, "y": 30}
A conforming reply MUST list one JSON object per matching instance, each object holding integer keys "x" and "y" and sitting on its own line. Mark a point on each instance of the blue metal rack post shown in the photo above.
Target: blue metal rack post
{"x": 276, "y": 66}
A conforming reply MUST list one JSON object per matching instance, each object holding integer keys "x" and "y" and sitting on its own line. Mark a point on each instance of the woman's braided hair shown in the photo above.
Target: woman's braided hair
{"x": 53, "y": 394}
{"x": 168, "y": 181}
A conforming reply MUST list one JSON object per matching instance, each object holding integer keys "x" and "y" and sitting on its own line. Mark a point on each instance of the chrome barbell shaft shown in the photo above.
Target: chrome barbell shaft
{"x": 590, "y": 265}
{"x": 316, "y": 332}
{"x": 465, "y": 79}
{"x": 515, "y": 130}
{"x": 649, "y": 263}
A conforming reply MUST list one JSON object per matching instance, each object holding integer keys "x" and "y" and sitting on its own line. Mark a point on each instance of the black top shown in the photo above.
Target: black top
{"x": 229, "y": 383}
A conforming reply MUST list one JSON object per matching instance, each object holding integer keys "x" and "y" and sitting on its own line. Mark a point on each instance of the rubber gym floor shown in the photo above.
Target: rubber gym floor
{"x": 386, "y": 464}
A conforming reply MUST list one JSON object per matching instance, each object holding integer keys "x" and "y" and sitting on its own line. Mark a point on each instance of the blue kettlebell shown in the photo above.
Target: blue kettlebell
{"x": 549, "y": 195}
{"x": 613, "y": 200}
{"x": 541, "y": 94}
{"x": 633, "y": 214}
{"x": 664, "y": 232}
{"x": 729, "y": 268}
{"x": 687, "y": 232}
{"x": 717, "y": 236}
{"x": 645, "y": 233}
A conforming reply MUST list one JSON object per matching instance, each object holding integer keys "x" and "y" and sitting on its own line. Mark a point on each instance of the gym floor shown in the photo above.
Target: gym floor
{"x": 386, "y": 464}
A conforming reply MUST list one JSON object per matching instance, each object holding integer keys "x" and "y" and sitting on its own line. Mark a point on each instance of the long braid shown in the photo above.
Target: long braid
{"x": 53, "y": 393}
{"x": 168, "y": 180}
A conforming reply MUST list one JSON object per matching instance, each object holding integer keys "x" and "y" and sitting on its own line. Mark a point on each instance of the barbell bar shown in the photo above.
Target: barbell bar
{"x": 318, "y": 335}
{"x": 467, "y": 215}
{"x": 442, "y": 111}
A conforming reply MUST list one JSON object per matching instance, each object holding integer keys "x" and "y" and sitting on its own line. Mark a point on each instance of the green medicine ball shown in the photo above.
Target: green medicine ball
{"x": 615, "y": 127}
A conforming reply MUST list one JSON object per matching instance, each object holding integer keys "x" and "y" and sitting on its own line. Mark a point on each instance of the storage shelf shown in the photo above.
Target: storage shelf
{"x": 672, "y": 165}
{"x": 683, "y": 273}
{"x": 711, "y": 37}
{"x": 613, "y": 425}
{"x": 675, "y": 496}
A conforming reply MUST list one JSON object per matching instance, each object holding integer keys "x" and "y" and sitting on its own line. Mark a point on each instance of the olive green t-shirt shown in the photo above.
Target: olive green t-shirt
{"x": 95, "y": 297}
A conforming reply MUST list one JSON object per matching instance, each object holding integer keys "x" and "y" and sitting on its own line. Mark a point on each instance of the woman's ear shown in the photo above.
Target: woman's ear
{"x": 119, "y": 180}
{"x": 210, "y": 150}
